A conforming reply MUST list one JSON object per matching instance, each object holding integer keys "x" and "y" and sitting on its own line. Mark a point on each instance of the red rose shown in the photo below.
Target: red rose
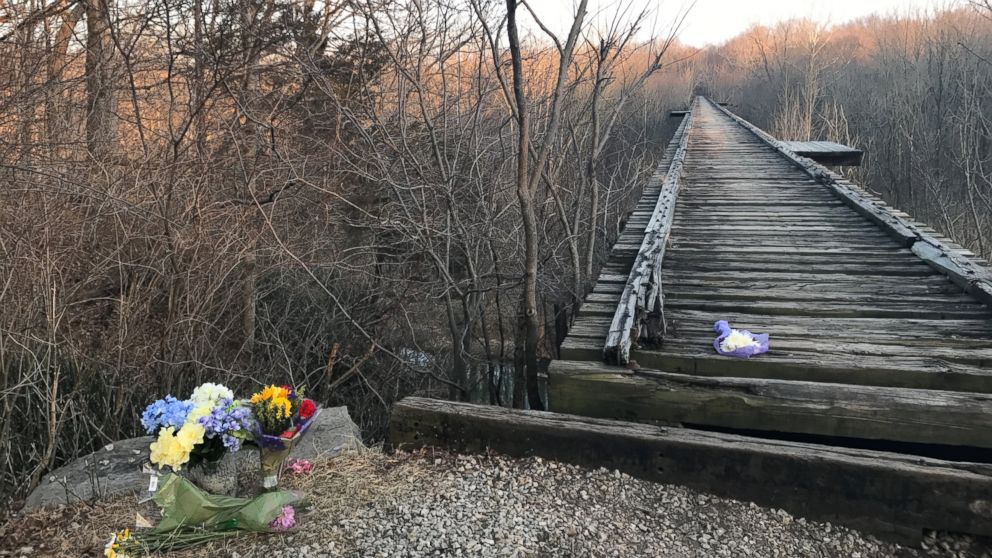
{"x": 288, "y": 435}
{"x": 307, "y": 409}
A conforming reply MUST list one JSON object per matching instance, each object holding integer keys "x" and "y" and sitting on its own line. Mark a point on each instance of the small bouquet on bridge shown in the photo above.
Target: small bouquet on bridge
{"x": 738, "y": 343}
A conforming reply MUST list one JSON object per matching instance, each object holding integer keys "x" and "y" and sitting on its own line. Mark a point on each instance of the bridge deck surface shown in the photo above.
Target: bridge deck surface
{"x": 759, "y": 243}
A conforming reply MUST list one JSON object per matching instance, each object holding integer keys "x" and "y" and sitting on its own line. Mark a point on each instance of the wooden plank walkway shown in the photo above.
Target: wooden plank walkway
{"x": 769, "y": 246}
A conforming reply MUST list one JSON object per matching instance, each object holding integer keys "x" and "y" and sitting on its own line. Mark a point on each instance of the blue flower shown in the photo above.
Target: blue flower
{"x": 165, "y": 412}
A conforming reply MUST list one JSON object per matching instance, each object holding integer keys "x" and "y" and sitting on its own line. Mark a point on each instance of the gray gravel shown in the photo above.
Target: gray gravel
{"x": 495, "y": 506}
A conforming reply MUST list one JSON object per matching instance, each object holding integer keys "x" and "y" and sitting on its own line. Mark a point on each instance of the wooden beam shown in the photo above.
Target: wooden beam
{"x": 641, "y": 304}
{"x": 850, "y": 411}
{"x": 970, "y": 274}
{"x": 678, "y": 113}
{"x": 885, "y": 493}
{"x": 911, "y": 372}
{"x": 826, "y": 152}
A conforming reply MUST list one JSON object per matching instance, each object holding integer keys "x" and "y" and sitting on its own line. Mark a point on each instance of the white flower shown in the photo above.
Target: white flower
{"x": 207, "y": 395}
{"x": 737, "y": 340}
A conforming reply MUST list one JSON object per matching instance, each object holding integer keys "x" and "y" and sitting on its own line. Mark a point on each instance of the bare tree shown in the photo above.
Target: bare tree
{"x": 370, "y": 198}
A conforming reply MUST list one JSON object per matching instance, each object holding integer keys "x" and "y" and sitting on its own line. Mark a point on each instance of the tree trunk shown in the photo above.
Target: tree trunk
{"x": 101, "y": 129}
{"x": 25, "y": 113}
{"x": 56, "y": 115}
{"x": 525, "y": 197}
{"x": 248, "y": 300}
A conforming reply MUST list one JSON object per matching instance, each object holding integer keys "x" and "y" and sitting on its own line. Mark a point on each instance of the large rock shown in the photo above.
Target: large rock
{"x": 122, "y": 467}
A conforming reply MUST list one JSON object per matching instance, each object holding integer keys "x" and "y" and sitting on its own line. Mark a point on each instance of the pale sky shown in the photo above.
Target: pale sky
{"x": 715, "y": 21}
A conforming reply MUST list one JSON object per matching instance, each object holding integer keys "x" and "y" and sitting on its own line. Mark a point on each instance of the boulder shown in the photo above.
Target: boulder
{"x": 122, "y": 467}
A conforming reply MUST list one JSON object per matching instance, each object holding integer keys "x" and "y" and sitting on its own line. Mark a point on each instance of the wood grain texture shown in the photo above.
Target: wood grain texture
{"x": 851, "y": 411}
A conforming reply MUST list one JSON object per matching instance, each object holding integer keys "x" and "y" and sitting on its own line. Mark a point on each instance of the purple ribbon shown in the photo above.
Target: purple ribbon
{"x": 271, "y": 442}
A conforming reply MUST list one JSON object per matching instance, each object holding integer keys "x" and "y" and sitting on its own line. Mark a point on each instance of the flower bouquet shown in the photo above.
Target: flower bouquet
{"x": 282, "y": 416}
{"x": 191, "y": 516}
{"x": 198, "y": 433}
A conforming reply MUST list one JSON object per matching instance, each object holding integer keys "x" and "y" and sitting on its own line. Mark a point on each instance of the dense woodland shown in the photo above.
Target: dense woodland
{"x": 373, "y": 198}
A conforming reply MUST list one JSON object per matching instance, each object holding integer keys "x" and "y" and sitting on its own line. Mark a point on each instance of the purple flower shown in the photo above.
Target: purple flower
{"x": 229, "y": 420}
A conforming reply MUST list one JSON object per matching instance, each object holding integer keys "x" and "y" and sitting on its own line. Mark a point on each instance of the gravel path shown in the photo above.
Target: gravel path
{"x": 495, "y": 506}
{"x": 370, "y": 504}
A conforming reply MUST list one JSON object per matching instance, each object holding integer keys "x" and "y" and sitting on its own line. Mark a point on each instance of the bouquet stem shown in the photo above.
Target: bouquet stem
{"x": 273, "y": 462}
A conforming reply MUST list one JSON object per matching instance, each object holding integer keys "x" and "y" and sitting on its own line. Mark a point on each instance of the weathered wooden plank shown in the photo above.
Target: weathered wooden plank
{"x": 826, "y": 327}
{"x": 794, "y": 275}
{"x": 705, "y": 219}
{"x": 973, "y": 278}
{"x": 828, "y": 250}
{"x": 677, "y": 258}
{"x": 702, "y": 203}
{"x": 966, "y": 351}
{"x": 881, "y": 492}
{"x": 976, "y": 353}
{"x": 909, "y": 268}
{"x": 837, "y": 309}
{"x": 853, "y": 341}
{"x": 866, "y": 294}
{"x": 714, "y": 284}
{"x": 851, "y": 411}
{"x": 758, "y": 237}
{"x": 825, "y": 152}
{"x": 688, "y": 241}
{"x": 641, "y": 302}
{"x": 906, "y": 372}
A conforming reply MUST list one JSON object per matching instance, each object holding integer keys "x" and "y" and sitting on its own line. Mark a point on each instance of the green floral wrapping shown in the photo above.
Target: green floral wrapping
{"x": 184, "y": 506}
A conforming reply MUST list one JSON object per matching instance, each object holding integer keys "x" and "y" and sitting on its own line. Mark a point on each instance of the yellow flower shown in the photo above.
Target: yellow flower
{"x": 190, "y": 435}
{"x": 112, "y": 547}
{"x": 172, "y": 448}
{"x": 282, "y": 406}
{"x": 270, "y": 393}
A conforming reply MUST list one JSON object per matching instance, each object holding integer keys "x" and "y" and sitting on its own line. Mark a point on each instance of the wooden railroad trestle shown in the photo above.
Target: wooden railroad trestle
{"x": 881, "y": 339}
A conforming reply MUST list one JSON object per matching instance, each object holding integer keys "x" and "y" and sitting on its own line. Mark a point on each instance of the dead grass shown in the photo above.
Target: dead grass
{"x": 336, "y": 488}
